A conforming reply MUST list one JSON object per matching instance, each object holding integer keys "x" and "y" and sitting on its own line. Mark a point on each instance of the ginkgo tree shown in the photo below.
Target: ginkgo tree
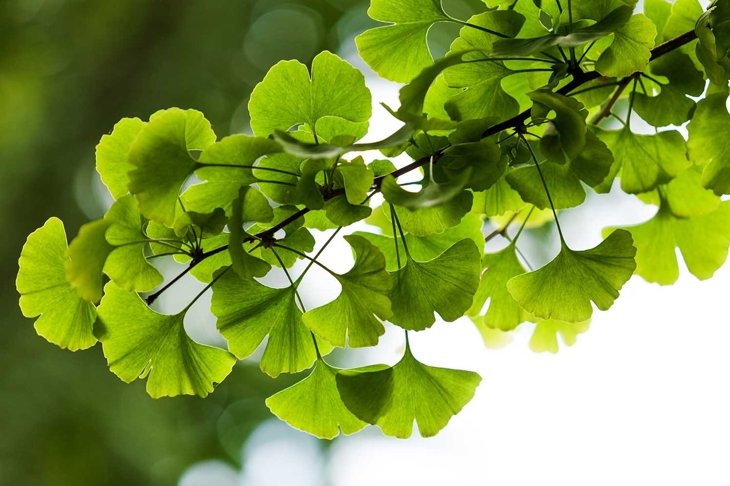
{"x": 514, "y": 123}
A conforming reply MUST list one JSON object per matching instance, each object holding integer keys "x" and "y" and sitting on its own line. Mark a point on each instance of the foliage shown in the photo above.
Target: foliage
{"x": 512, "y": 118}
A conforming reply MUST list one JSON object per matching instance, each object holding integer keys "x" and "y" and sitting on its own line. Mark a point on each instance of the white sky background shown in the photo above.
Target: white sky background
{"x": 641, "y": 399}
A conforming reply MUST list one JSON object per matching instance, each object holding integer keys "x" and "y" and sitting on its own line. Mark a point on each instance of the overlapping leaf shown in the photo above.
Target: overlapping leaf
{"x": 314, "y": 405}
{"x": 706, "y": 147}
{"x": 289, "y": 96}
{"x": 392, "y": 398}
{"x": 353, "y": 317}
{"x": 703, "y": 241}
{"x": 248, "y": 312}
{"x": 445, "y": 285}
{"x": 162, "y": 157}
{"x": 64, "y": 318}
{"x": 140, "y": 343}
{"x": 564, "y": 288}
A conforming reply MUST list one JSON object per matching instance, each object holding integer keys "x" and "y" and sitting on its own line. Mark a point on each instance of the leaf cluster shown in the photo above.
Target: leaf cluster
{"x": 529, "y": 112}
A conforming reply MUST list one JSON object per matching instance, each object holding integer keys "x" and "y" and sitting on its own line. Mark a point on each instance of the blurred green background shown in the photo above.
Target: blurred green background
{"x": 69, "y": 70}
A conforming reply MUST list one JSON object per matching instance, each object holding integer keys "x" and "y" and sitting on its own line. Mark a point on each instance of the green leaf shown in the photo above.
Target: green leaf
{"x": 432, "y": 194}
{"x": 87, "y": 254}
{"x": 545, "y": 336}
{"x": 399, "y": 51}
{"x": 352, "y": 317}
{"x": 630, "y": 50}
{"x": 247, "y": 312}
{"x": 434, "y": 220}
{"x": 481, "y": 93}
{"x": 140, "y": 343}
{"x": 503, "y": 312}
{"x": 671, "y": 106}
{"x": 357, "y": 179}
{"x": 313, "y": 405}
{"x": 289, "y": 97}
{"x": 565, "y": 134}
{"x": 706, "y": 147}
{"x": 445, "y": 285}
{"x": 703, "y": 241}
{"x": 564, "y": 288}
{"x": 392, "y": 398}
{"x": 126, "y": 265}
{"x": 497, "y": 200}
{"x": 686, "y": 196}
{"x": 162, "y": 160}
{"x": 340, "y": 212}
{"x": 236, "y": 154}
{"x": 243, "y": 263}
{"x": 564, "y": 186}
{"x": 713, "y": 48}
{"x": 64, "y": 317}
{"x": 481, "y": 160}
{"x": 646, "y": 161}
{"x": 112, "y": 152}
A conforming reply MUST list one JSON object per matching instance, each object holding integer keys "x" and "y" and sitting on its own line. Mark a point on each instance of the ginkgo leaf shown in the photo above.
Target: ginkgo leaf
{"x": 645, "y": 161}
{"x": 425, "y": 248}
{"x": 87, "y": 255}
{"x": 445, "y": 285}
{"x": 703, "y": 241}
{"x": 288, "y": 96}
{"x": 112, "y": 152}
{"x": 162, "y": 159}
{"x": 243, "y": 263}
{"x": 225, "y": 167}
{"x": 399, "y": 51}
{"x": 630, "y": 50}
{"x": 503, "y": 312}
{"x": 481, "y": 93}
{"x": 393, "y": 398}
{"x": 565, "y": 188}
{"x": 352, "y": 317}
{"x": 671, "y": 106}
{"x": 432, "y": 194}
{"x": 545, "y": 336}
{"x": 247, "y": 312}
{"x": 341, "y": 213}
{"x": 706, "y": 148}
{"x": 564, "y": 288}
{"x": 126, "y": 264}
{"x": 497, "y": 200}
{"x": 565, "y": 135}
{"x": 437, "y": 219}
{"x": 687, "y": 197}
{"x": 141, "y": 343}
{"x": 64, "y": 317}
{"x": 357, "y": 179}
{"x": 313, "y": 405}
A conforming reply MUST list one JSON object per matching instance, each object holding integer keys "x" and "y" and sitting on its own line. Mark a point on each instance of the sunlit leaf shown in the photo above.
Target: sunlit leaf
{"x": 314, "y": 405}
{"x": 64, "y": 318}
{"x": 393, "y": 398}
{"x": 564, "y": 288}
{"x": 140, "y": 343}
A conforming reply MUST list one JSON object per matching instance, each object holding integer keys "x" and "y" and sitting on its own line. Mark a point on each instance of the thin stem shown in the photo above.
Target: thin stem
{"x": 319, "y": 253}
{"x": 591, "y": 88}
{"x": 562, "y": 54}
{"x": 479, "y": 27}
{"x": 545, "y": 186}
{"x": 235, "y": 166}
{"x": 501, "y": 231}
{"x": 207, "y": 287}
{"x": 158, "y": 255}
{"x": 394, "y": 216}
{"x": 280, "y": 183}
{"x": 570, "y": 18}
{"x": 651, "y": 78}
{"x": 590, "y": 46}
{"x": 299, "y": 298}
{"x": 395, "y": 239}
{"x": 631, "y": 103}
{"x": 304, "y": 255}
{"x": 609, "y": 106}
{"x": 524, "y": 223}
{"x": 503, "y": 59}
{"x": 513, "y": 242}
